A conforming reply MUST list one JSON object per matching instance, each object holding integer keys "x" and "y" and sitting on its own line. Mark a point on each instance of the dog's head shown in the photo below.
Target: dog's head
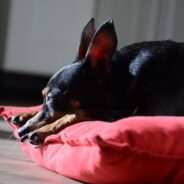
{"x": 82, "y": 84}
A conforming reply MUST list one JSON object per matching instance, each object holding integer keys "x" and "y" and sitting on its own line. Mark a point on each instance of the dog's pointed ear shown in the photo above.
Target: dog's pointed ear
{"x": 102, "y": 47}
{"x": 86, "y": 37}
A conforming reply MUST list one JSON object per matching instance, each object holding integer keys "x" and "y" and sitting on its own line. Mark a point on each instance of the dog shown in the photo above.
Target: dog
{"x": 103, "y": 83}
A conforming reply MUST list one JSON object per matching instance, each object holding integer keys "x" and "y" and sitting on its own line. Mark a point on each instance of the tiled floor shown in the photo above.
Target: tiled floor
{"x": 15, "y": 167}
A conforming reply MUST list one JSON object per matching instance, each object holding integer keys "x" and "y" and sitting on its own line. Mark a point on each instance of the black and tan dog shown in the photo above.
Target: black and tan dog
{"x": 102, "y": 83}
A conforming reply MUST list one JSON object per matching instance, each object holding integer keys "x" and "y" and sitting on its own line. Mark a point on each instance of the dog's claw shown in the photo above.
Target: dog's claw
{"x": 9, "y": 119}
{"x": 32, "y": 138}
{"x": 23, "y": 131}
{"x": 16, "y": 120}
{"x": 23, "y": 138}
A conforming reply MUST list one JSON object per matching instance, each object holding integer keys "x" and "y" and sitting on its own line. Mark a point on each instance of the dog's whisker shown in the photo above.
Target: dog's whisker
{"x": 10, "y": 136}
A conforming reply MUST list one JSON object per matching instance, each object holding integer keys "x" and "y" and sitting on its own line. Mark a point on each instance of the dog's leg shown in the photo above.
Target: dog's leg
{"x": 22, "y": 118}
{"x": 38, "y": 136}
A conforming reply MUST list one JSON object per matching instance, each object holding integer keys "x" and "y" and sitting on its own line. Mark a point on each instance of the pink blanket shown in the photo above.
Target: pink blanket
{"x": 131, "y": 150}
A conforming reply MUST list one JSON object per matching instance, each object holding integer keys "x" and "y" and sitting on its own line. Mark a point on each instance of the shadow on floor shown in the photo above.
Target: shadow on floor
{"x": 6, "y": 135}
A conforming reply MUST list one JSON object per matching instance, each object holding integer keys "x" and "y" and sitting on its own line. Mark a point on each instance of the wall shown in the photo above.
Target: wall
{"x": 4, "y": 13}
{"x": 139, "y": 20}
{"x": 44, "y": 35}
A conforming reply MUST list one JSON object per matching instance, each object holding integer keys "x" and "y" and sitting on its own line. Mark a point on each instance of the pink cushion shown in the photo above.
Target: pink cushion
{"x": 131, "y": 150}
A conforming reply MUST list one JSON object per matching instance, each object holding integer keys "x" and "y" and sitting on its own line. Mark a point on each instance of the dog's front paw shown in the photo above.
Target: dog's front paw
{"x": 34, "y": 138}
{"x": 17, "y": 120}
{"x": 37, "y": 138}
{"x": 22, "y": 118}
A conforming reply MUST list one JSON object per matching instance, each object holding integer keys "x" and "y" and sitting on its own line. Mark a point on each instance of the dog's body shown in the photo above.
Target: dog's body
{"x": 141, "y": 79}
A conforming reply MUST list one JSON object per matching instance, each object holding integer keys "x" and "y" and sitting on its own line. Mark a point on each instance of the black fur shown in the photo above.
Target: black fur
{"x": 140, "y": 79}
{"x": 145, "y": 79}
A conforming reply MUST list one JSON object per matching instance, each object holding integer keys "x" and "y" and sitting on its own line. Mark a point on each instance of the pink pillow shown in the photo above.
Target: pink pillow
{"x": 131, "y": 150}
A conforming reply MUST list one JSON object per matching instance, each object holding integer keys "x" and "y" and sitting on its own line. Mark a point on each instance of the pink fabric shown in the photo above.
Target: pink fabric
{"x": 131, "y": 150}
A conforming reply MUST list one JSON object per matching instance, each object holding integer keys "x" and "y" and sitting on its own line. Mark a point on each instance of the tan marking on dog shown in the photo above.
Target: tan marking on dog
{"x": 38, "y": 136}
{"x": 27, "y": 116}
{"x": 45, "y": 91}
